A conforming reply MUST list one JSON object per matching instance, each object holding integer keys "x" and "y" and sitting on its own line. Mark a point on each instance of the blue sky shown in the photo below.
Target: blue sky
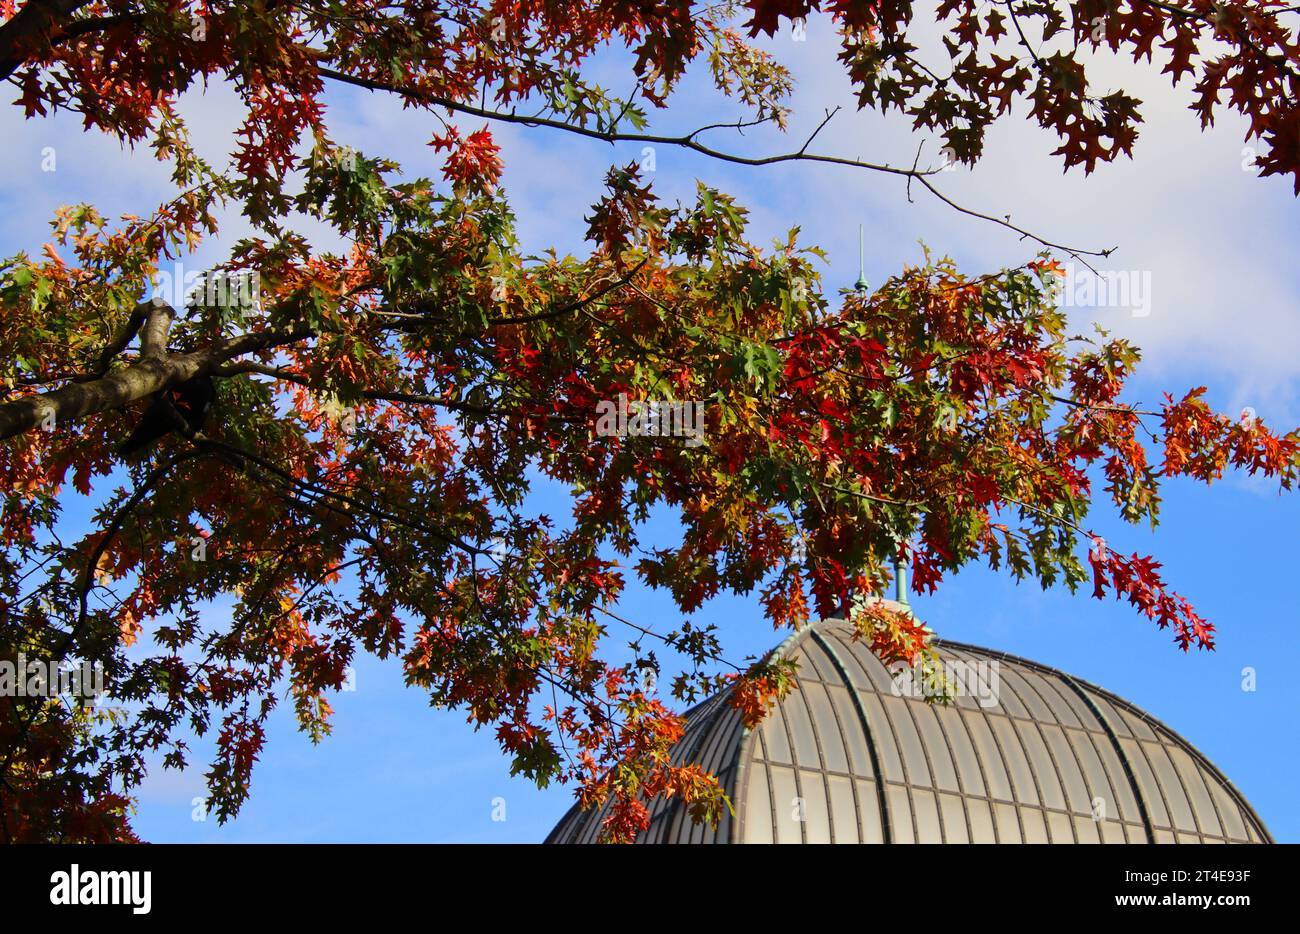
{"x": 1219, "y": 245}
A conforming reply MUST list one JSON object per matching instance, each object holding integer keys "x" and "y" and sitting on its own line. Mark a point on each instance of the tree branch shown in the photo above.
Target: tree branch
{"x": 157, "y": 370}
{"x": 689, "y": 142}
{"x": 685, "y": 142}
{"x": 387, "y": 395}
{"x": 86, "y": 580}
{"x": 143, "y": 378}
{"x": 157, "y": 326}
{"x": 118, "y": 344}
{"x": 29, "y": 27}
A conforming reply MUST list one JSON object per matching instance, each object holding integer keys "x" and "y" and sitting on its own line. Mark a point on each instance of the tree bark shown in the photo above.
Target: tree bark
{"x": 29, "y": 27}
{"x": 143, "y": 378}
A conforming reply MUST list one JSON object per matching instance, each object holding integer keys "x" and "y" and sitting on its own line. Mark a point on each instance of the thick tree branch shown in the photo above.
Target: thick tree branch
{"x": 118, "y": 344}
{"x": 141, "y": 379}
{"x": 29, "y": 27}
{"x": 157, "y": 326}
{"x": 157, "y": 370}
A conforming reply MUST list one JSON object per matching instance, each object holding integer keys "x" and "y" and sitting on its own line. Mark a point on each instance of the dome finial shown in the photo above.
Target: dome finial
{"x": 861, "y": 285}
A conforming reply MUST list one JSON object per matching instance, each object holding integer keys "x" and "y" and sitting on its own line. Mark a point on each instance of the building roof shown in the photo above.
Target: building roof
{"x": 1025, "y": 753}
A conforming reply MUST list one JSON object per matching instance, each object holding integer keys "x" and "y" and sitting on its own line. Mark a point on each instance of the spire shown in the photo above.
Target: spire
{"x": 861, "y": 285}
{"x": 900, "y": 582}
{"x": 900, "y": 572}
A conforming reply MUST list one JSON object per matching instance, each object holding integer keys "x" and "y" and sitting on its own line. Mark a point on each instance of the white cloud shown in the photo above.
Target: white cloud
{"x": 1218, "y": 241}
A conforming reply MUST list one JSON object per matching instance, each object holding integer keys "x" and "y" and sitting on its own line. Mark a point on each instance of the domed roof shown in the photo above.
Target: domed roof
{"x": 1024, "y": 754}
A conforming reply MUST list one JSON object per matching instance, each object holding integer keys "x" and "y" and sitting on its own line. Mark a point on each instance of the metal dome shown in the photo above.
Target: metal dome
{"x": 1026, "y": 754}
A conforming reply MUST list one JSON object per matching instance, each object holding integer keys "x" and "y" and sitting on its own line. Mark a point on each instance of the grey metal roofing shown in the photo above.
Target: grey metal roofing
{"x": 1027, "y": 754}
